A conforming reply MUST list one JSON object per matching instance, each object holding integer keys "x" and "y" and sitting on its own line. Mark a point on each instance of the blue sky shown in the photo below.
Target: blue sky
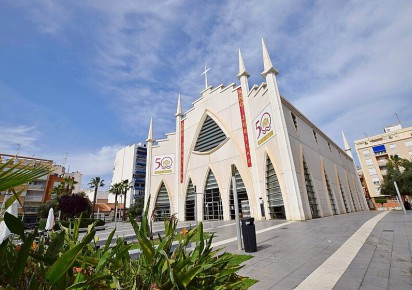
{"x": 84, "y": 77}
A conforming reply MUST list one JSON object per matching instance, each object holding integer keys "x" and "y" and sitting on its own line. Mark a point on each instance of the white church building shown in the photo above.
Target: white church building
{"x": 285, "y": 167}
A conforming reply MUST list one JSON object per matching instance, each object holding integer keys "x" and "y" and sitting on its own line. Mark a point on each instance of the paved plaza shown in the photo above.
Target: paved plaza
{"x": 288, "y": 255}
{"x": 362, "y": 250}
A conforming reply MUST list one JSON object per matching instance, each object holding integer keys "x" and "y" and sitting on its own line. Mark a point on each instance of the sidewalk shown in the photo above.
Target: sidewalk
{"x": 289, "y": 254}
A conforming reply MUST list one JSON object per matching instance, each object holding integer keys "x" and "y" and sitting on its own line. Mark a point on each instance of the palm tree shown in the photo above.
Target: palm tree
{"x": 69, "y": 182}
{"x": 116, "y": 188}
{"x": 95, "y": 183}
{"x": 14, "y": 174}
{"x": 125, "y": 188}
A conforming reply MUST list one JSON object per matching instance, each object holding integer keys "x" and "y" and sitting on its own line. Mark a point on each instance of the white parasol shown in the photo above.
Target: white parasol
{"x": 4, "y": 230}
{"x": 50, "y": 220}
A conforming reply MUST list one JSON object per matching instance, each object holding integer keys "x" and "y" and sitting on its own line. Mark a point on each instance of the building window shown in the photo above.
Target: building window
{"x": 365, "y": 152}
{"x": 162, "y": 204}
{"x": 343, "y": 196}
{"x": 372, "y": 171}
{"x": 241, "y": 196}
{"x": 295, "y": 121}
{"x": 408, "y": 143}
{"x": 375, "y": 181}
{"x": 274, "y": 194}
{"x": 369, "y": 161}
{"x": 190, "y": 202}
{"x": 392, "y": 146}
{"x": 330, "y": 148}
{"x": 331, "y": 199}
{"x": 210, "y": 136}
{"x": 310, "y": 190}
{"x": 315, "y": 136}
{"x": 212, "y": 201}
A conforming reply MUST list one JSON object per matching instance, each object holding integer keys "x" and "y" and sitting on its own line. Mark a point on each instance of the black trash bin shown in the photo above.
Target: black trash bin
{"x": 249, "y": 235}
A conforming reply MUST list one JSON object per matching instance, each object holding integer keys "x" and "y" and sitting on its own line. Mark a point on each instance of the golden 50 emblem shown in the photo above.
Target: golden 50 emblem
{"x": 264, "y": 124}
{"x": 164, "y": 163}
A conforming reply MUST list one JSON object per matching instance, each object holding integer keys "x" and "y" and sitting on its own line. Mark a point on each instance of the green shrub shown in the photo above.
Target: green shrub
{"x": 380, "y": 200}
{"x": 84, "y": 222}
{"x": 65, "y": 261}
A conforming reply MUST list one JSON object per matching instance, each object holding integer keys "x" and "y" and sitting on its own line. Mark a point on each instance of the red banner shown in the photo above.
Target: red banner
{"x": 244, "y": 127}
{"x": 182, "y": 148}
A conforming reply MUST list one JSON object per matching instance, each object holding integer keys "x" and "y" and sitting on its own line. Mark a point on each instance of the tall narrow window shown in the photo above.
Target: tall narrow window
{"x": 353, "y": 199}
{"x": 241, "y": 195}
{"x": 343, "y": 196}
{"x": 162, "y": 205}
{"x": 274, "y": 194}
{"x": 315, "y": 136}
{"x": 190, "y": 202}
{"x": 311, "y": 192}
{"x": 331, "y": 199}
{"x": 295, "y": 121}
{"x": 212, "y": 202}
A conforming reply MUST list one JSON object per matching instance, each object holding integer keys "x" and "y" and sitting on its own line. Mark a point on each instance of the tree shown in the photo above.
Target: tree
{"x": 136, "y": 209}
{"x": 43, "y": 209}
{"x": 95, "y": 183}
{"x": 69, "y": 182}
{"x": 125, "y": 188}
{"x": 399, "y": 170}
{"x": 116, "y": 188}
{"x": 14, "y": 174}
{"x": 73, "y": 205}
{"x": 65, "y": 187}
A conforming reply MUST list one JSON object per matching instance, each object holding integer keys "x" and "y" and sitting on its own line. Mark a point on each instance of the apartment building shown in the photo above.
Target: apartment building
{"x": 37, "y": 191}
{"x": 375, "y": 151}
{"x": 130, "y": 164}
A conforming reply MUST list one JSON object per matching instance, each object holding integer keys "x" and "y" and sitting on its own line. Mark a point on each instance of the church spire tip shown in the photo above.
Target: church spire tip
{"x": 242, "y": 69}
{"x": 179, "y": 107}
{"x": 267, "y": 63}
{"x": 150, "y": 135}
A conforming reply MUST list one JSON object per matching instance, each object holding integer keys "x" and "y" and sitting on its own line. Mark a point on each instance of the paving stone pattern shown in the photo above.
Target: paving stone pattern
{"x": 287, "y": 255}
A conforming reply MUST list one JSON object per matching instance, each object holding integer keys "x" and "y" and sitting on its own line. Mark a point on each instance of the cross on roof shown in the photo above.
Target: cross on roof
{"x": 205, "y": 73}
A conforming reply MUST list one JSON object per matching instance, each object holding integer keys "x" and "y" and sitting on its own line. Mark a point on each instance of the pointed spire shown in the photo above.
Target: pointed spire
{"x": 267, "y": 63}
{"x": 179, "y": 108}
{"x": 150, "y": 135}
{"x": 346, "y": 145}
{"x": 242, "y": 69}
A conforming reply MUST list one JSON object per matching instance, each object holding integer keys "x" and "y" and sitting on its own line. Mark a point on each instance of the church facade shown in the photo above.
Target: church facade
{"x": 284, "y": 166}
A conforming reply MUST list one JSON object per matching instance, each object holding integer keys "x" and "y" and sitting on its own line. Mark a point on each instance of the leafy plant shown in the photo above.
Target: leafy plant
{"x": 160, "y": 267}
{"x": 399, "y": 170}
{"x": 73, "y": 205}
{"x": 14, "y": 174}
{"x": 64, "y": 261}
{"x": 95, "y": 183}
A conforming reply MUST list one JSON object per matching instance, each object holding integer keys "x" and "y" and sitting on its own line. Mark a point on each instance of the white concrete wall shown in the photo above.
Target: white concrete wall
{"x": 124, "y": 169}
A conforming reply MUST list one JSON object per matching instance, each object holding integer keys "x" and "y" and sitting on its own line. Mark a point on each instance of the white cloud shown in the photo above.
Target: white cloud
{"x": 17, "y": 138}
{"x": 344, "y": 64}
{"x": 99, "y": 163}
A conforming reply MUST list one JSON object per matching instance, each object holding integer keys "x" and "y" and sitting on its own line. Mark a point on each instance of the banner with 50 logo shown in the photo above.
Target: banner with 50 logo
{"x": 163, "y": 164}
{"x": 263, "y": 126}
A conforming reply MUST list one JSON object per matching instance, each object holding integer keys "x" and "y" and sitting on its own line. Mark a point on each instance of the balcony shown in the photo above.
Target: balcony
{"x": 34, "y": 198}
{"x": 36, "y": 187}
